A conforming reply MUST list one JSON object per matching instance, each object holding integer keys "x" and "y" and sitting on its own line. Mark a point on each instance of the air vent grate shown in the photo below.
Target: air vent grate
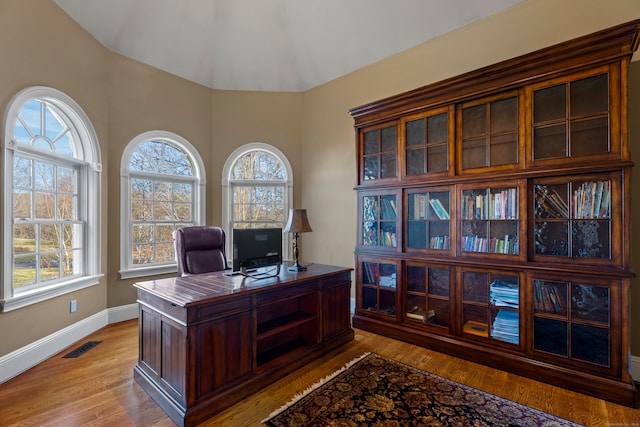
{"x": 82, "y": 349}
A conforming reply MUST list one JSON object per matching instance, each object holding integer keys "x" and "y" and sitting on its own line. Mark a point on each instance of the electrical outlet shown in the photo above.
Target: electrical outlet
{"x": 73, "y": 306}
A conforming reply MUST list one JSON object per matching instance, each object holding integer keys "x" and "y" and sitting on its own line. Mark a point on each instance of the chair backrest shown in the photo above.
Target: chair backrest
{"x": 200, "y": 249}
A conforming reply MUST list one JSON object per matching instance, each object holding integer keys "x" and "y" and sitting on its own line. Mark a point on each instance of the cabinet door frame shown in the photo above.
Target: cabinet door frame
{"x": 452, "y": 220}
{"x": 520, "y": 185}
{"x": 360, "y": 150}
{"x": 360, "y": 309}
{"x": 618, "y": 247}
{"x": 402, "y": 150}
{"x": 617, "y": 99}
{"x": 397, "y": 193}
{"x": 427, "y": 264}
{"x": 460, "y": 302}
{"x": 618, "y": 293}
{"x": 520, "y": 146}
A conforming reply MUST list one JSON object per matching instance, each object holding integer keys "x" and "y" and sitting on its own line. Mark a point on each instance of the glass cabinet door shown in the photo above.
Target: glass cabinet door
{"x": 572, "y": 319}
{"x": 489, "y": 133}
{"x": 572, "y": 218}
{"x": 379, "y": 148}
{"x": 489, "y": 220}
{"x": 571, "y": 119}
{"x": 378, "y": 287}
{"x": 379, "y": 220}
{"x": 427, "y": 294}
{"x": 491, "y": 305}
{"x": 426, "y": 144}
{"x": 428, "y": 223}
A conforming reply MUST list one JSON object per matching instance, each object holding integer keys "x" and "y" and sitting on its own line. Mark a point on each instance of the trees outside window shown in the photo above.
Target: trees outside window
{"x": 257, "y": 190}
{"x": 51, "y": 197}
{"x": 162, "y": 189}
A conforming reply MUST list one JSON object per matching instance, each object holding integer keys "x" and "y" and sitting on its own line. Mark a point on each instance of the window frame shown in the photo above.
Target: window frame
{"x": 127, "y": 268}
{"x": 228, "y": 184}
{"x": 88, "y": 164}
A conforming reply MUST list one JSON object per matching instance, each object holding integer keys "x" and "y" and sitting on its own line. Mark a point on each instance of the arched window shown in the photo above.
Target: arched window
{"x": 51, "y": 198}
{"x": 162, "y": 188}
{"x": 257, "y": 191}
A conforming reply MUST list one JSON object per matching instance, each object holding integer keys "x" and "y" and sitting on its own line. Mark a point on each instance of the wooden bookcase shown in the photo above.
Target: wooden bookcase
{"x": 494, "y": 215}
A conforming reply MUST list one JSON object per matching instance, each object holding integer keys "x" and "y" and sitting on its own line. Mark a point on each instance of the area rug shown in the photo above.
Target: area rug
{"x": 375, "y": 391}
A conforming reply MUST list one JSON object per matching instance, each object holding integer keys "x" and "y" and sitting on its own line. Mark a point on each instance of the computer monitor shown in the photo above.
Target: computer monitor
{"x": 256, "y": 247}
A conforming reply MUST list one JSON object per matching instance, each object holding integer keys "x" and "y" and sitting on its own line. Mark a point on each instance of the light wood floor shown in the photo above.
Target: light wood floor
{"x": 97, "y": 389}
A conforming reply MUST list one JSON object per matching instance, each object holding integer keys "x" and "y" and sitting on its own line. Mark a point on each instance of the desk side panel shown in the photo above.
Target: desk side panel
{"x": 336, "y": 316}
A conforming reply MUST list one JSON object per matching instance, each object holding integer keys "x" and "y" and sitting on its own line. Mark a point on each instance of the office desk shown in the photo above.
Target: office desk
{"x": 207, "y": 341}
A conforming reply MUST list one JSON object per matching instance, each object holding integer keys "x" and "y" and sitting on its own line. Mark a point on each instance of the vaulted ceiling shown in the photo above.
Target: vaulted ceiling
{"x": 269, "y": 45}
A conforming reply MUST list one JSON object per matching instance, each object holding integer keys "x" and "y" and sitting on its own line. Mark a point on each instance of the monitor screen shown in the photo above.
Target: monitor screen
{"x": 256, "y": 247}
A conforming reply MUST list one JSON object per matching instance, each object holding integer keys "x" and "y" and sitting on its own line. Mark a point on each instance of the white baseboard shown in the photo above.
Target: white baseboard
{"x": 122, "y": 313}
{"x": 635, "y": 367}
{"x": 30, "y": 355}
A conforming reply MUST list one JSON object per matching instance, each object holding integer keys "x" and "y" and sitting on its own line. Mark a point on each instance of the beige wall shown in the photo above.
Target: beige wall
{"x": 124, "y": 98}
{"x": 47, "y": 48}
{"x": 240, "y": 118}
{"x": 142, "y": 98}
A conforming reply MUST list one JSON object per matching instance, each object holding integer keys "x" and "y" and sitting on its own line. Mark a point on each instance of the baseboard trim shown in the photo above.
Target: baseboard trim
{"x": 25, "y": 358}
{"x": 635, "y": 367}
{"x": 122, "y": 313}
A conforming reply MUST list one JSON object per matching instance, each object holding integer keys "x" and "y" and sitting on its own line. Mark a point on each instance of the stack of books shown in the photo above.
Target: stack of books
{"x": 504, "y": 294}
{"x": 506, "y": 326}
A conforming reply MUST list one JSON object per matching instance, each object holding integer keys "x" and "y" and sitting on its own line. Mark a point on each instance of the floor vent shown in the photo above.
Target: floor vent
{"x": 81, "y": 350}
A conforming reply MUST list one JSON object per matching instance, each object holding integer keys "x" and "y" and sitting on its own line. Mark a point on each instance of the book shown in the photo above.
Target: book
{"x": 439, "y": 209}
{"x": 476, "y": 328}
{"x": 416, "y": 316}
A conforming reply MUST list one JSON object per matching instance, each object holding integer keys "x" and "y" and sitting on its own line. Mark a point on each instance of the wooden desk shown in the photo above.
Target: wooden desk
{"x": 208, "y": 341}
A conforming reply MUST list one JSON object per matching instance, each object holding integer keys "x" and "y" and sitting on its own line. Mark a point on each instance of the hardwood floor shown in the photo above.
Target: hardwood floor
{"x": 97, "y": 388}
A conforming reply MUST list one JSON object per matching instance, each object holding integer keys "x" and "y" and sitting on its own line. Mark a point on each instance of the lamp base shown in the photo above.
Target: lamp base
{"x": 297, "y": 267}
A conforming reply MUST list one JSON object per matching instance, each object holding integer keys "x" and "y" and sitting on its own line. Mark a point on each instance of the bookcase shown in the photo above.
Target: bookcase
{"x": 493, "y": 215}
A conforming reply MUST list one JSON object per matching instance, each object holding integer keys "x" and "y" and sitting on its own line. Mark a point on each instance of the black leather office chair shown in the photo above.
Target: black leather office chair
{"x": 200, "y": 249}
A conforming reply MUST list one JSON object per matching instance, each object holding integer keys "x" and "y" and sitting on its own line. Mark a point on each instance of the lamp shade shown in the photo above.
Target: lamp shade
{"x": 297, "y": 222}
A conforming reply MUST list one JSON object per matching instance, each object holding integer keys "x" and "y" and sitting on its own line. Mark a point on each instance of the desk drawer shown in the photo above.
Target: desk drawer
{"x": 163, "y": 306}
{"x": 224, "y": 308}
{"x": 285, "y": 292}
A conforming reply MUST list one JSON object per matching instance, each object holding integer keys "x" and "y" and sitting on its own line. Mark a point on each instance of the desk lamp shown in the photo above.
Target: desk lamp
{"x": 297, "y": 223}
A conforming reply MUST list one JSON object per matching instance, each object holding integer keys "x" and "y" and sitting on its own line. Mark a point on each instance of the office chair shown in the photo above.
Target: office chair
{"x": 200, "y": 249}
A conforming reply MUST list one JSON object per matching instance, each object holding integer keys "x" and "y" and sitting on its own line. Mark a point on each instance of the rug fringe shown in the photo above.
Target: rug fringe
{"x": 313, "y": 387}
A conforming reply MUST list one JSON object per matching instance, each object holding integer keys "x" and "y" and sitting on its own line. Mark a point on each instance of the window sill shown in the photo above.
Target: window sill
{"x": 45, "y": 293}
{"x": 148, "y": 271}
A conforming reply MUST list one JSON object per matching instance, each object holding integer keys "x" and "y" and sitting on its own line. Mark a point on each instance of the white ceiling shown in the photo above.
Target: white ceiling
{"x": 269, "y": 45}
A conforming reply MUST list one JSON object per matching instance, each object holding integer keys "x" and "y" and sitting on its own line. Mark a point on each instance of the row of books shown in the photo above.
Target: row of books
{"x": 440, "y": 242}
{"x": 548, "y": 298}
{"x": 508, "y": 245}
{"x": 592, "y": 200}
{"x": 420, "y": 208}
{"x": 371, "y": 276}
{"x": 388, "y": 239}
{"x": 388, "y": 208}
{"x": 495, "y": 205}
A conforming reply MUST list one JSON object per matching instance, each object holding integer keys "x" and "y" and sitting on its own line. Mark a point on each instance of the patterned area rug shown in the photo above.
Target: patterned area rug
{"x": 374, "y": 391}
